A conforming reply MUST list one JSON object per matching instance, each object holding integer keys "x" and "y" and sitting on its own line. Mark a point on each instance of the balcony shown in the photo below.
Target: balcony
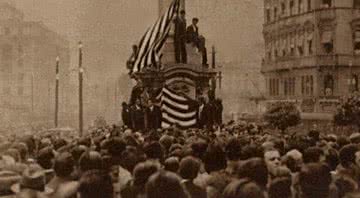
{"x": 287, "y": 63}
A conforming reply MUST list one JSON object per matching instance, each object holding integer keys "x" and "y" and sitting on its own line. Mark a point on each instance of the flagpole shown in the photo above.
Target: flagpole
{"x": 81, "y": 71}
{"x": 57, "y": 92}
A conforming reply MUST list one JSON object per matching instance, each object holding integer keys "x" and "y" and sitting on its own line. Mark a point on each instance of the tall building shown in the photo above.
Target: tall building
{"x": 28, "y": 52}
{"x": 312, "y": 52}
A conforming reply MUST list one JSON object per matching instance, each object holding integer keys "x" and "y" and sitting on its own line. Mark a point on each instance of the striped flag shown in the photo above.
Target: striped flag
{"x": 150, "y": 46}
{"x": 177, "y": 109}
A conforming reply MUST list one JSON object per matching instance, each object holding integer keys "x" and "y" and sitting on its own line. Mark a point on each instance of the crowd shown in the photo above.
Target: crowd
{"x": 235, "y": 161}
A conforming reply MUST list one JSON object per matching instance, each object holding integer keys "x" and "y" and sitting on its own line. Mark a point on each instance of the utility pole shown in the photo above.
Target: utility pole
{"x": 213, "y": 64}
{"x": 81, "y": 71}
{"x": 57, "y": 92}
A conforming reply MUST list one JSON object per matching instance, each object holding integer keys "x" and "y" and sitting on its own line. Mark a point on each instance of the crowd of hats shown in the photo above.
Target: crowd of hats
{"x": 235, "y": 161}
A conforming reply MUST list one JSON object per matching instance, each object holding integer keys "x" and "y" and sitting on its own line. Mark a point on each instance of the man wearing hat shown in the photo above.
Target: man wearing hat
{"x": 32, "y": 183}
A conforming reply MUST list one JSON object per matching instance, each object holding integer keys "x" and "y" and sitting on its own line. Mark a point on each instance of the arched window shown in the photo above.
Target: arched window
{"x": 328, "y": 85}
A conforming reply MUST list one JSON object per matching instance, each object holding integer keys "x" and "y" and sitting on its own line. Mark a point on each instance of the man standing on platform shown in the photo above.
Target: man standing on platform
{"x": 137, "y": 116}
{"x": 153, "y": 116}
{"x": 180, "y": 38}
{"x": 198, "y": 40}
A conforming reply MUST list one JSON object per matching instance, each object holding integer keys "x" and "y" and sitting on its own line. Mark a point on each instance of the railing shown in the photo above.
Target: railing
{"x": 286, "y": 63}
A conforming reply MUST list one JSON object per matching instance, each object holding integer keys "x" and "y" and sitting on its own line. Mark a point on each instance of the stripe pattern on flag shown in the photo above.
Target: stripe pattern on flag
{"x": 176, "y": 109}
{"x": 151, "y": 44}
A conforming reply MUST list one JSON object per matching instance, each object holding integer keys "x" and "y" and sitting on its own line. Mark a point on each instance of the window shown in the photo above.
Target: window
{"x": 309, "y": 5}
{"x": 283, "y": 9}
{"x": 291, "y": 7}
{"x": 356, "y": 3}
{"x": 302, "y": 85}
{"x": 21, "y": 77}
{"x": 277, "y": 87}
{"x": 300, "y": 50}
{"x": 6, "y": 31}
{"x": 310, "y": 46}
{"x": 275, "y": 13}
{"x": 326, "y": 3}
{"x": 276, "y": 53}
{"x": 327, "y": 41}
{"x": 311, "y": 85}
{"x": 300, "y": 8}
{"x": 328, "y": 85}
{"x": 6, "y": 90}
{"x": 286, "y": 85}
{"x": 268, "y": 15}
{"x": 357, "y": 42}
{"x": 20, "y": 91}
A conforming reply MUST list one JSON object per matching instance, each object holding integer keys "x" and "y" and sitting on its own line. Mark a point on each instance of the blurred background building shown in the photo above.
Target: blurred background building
{"x": 28, "y": 52}
{"x": 312, "y": 52}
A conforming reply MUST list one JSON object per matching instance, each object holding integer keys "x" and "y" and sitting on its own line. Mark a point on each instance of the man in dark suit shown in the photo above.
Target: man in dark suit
{"x": 180, "y": 38}
{"x": 153, "y": 116}
{"x": 125, "y": 114}
{"x": 198, "y": 40}
{"x": 137, "y": 116}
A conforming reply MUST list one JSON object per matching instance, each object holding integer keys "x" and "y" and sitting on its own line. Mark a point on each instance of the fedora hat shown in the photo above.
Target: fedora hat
{"x": 33, "y": 178}
{"x": 7, "y": 179}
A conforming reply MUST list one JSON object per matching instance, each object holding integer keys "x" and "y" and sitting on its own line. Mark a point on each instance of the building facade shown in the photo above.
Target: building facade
{"x": 28, "y": 52}
{"x": 312, "y": 52}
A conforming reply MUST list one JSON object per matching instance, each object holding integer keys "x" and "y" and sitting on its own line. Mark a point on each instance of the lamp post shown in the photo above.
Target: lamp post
{"x": 57, "y": 92}
{"x": 81, "y": 71}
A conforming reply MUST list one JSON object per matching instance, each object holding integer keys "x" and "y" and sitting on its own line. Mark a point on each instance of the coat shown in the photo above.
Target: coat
{"x": 153, "y": 117}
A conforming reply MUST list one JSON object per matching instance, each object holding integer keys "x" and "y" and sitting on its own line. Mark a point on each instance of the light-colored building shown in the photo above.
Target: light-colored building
{"x": 312, "y": 51}
{"x": 28, "y": 52}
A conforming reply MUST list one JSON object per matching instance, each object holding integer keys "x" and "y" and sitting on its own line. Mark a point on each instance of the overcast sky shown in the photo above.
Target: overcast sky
{"x": 110, "y": 27}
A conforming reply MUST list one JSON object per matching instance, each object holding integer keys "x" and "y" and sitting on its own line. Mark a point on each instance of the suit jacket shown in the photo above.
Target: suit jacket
{"x": 126, "y": 116}
{"x": 137, "y": 118}
{"x": 192, "y": 33}
{"x": 180, "y": 28}
{"x": 153, "y": 117}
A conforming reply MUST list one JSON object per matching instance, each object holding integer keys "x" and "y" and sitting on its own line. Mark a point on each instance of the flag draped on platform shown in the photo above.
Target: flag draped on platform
{"x": 150, "y": 46}
{"x": 176, "y": 109}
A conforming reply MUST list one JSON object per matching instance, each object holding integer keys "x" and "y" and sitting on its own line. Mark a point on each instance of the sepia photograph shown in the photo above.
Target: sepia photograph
{"x": 179, "y": 99}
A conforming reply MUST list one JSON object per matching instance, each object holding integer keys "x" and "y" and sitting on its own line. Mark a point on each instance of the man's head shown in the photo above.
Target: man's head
{"x": 182, "y": 13}
{"x": 272, "y": 159}
{"x": 195, "y": 21}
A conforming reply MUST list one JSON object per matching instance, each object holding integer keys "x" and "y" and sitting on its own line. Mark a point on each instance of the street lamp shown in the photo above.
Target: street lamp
{"x": 81, "y": 71}
{"x": 57, "y": 92}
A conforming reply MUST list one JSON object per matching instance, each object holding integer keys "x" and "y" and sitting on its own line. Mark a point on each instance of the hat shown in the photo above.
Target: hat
{"x": 33, "y": 178}
{"x": 7, "y": 179}
{"x": 355, "y": 138}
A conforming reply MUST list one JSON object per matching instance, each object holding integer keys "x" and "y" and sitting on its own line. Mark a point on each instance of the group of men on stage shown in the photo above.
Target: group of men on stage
{"x": 145, "y": 117}
{"x": 190, "y": 34}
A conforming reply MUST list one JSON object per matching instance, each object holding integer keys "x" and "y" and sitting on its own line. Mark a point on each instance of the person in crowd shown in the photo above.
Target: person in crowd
{"x": 180, "y": 38}
{"x": 153, "y": 115}
{"x": 195, "y": 38}
{"x": 95, "y": 184}
{"x": 273, "y": 162}
{"x": 137, "y": 117}
{"x": 142, "y": 172}
{"x": 189, "y": 170}
{"x": 315, "y": 180}
{"x": 244, "y": 188}
{"x": 32, "y": 184}
{"x": 63, "y": 184}
{"x": 164, "y": 185}
{"x": 126, "y": 115}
